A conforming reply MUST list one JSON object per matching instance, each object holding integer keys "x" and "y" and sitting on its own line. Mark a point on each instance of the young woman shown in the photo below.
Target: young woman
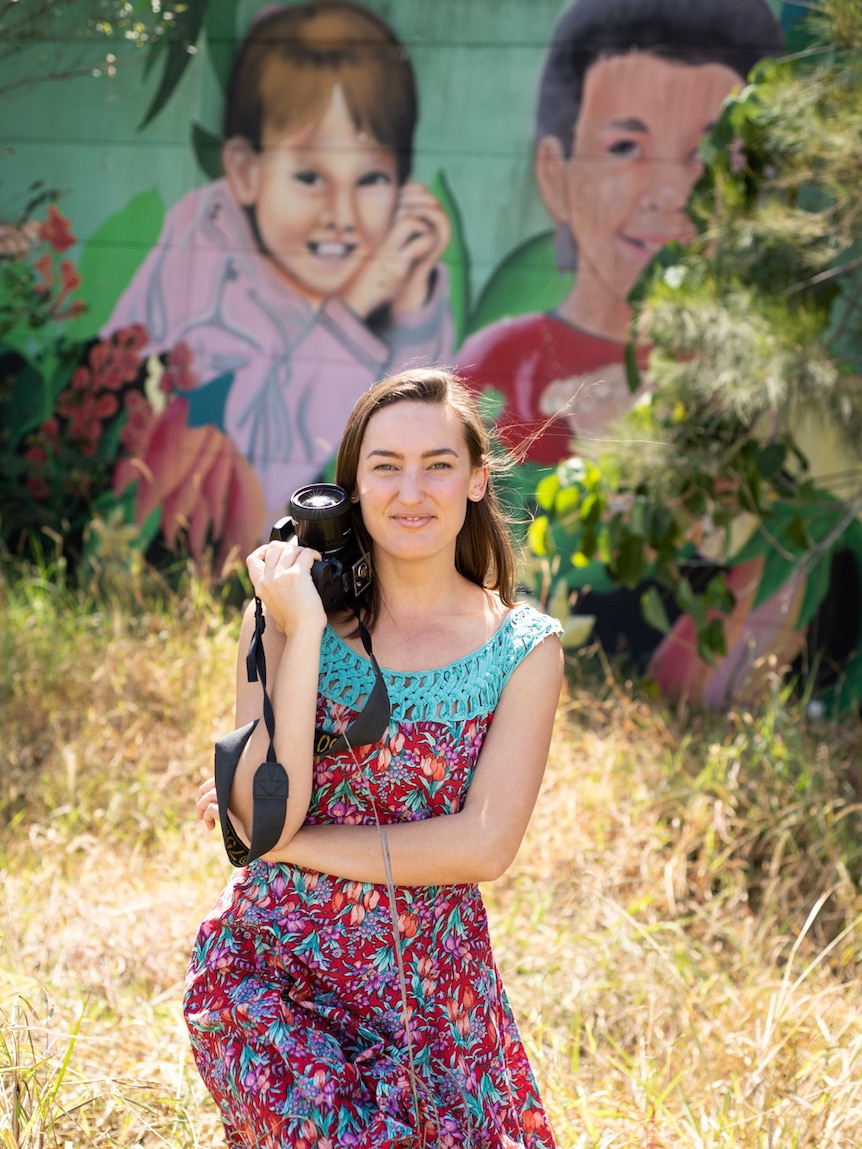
{"x": 343, "y": 991}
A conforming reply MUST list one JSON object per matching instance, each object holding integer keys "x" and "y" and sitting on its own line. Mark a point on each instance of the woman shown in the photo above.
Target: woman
{"x": 347, "y": 995}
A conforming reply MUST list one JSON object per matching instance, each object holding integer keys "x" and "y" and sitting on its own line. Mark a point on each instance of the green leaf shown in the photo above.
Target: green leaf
{"x": 711, "y": 641}
{"x": 776, "y": 571}
{"x": 110, "y": 258}
{"x": 639, "y": 517}
{"x": 633, "y": 374}
{"x": 653, "y": 610}
{"x": 589, "y": 542}
{"x": 456, "y": 257}
{"x": 591, "y": 509}
{"x": 184, "y": 35}
{"x": 538, "y": 536}
{"x": 816, "y": 590}
{"x": 28, "y": 403}
{"x": 770, "y": 459}
{"x": 797, "y": 534}
{"x": 718, "y": 596}
{"x": 526, "y": 280}
{"x": 630, "y": 562}
{"x": 546, "y": 492}
{"x": 220, "y": 28}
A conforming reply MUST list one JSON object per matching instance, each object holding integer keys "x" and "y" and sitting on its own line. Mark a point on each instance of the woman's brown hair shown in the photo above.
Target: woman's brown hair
{"x": 483, "y": 549}
{"x": 292, "y": 59}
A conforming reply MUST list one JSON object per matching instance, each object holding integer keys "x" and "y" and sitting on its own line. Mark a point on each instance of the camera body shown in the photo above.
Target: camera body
{"x": 319, "y": 517}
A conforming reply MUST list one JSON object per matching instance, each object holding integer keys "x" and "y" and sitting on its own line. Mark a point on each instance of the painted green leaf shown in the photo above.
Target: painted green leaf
{"x": 26, "y": 404}
{"x": 110, "y": 258}
{"x": 184, "y": 35}
{"x": 816, "y": 589}
{"x": 526, "y": 280}
{"x": 456, "y": 257}
{"x": 220, "y": 28}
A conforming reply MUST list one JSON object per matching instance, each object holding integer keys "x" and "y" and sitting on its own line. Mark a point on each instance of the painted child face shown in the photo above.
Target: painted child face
{"x": 324, "y": 198}
{"x": 634, "y": 162}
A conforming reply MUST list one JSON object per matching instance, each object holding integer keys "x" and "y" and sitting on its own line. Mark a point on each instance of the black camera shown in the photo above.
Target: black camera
{"x": 320, "y": 518}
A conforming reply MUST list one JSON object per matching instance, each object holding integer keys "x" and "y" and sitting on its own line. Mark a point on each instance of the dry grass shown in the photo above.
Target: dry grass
{"x": 680, "y": 936}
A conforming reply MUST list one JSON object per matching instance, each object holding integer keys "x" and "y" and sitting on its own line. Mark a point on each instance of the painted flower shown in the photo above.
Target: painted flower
{"x": 203, "y": 485}
{"x": 55, "y": 231}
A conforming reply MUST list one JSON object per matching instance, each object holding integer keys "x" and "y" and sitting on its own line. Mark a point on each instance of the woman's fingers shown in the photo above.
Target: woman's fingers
{"x": 207, "y": 804}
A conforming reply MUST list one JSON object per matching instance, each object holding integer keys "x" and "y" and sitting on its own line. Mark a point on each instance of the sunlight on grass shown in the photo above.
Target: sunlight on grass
{"x": 680, "y": 936}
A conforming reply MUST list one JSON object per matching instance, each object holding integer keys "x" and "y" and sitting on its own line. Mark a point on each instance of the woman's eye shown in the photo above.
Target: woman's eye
{"x": 373, "y": 179}
{"x": 441, "y": 466}
{"x": 627, "y": 149}
{"x": 309, "y": 178}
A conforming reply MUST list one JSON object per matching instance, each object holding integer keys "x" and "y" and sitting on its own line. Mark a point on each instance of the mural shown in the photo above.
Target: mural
{"x": 206, "y": 259}
{"x": 627, "y": 92}
{"x": 305, "y": 273}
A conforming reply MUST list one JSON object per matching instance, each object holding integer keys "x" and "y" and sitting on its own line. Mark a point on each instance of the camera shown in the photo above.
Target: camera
{"x": 319, "y": 517}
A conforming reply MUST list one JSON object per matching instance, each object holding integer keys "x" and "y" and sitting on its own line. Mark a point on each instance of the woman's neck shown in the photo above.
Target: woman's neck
{"x": 420, "y": 590}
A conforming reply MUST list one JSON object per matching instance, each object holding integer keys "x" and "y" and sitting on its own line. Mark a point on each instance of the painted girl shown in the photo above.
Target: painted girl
{"x": 307, "y": 272}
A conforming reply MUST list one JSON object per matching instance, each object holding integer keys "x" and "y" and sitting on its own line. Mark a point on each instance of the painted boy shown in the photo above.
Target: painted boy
{"x": 306, "y": 273}
{"x": 628, "y": 90}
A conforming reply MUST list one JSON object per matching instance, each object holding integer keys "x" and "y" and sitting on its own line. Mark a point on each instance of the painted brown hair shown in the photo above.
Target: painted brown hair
{"x": 292, "y": 59}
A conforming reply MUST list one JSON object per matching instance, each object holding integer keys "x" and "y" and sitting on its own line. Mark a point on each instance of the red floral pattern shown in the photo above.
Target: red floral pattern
{"x": 323, "y": 1016}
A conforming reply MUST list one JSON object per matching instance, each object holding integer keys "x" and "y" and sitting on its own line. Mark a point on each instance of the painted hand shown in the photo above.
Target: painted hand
{"x": 400, "y": 270}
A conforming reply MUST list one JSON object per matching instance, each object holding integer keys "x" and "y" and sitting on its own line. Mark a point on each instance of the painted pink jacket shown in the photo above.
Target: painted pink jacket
{"x": 297, "y": 370}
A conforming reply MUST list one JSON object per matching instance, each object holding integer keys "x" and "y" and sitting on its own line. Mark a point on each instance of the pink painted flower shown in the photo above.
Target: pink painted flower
{"x": 206, "y": 490}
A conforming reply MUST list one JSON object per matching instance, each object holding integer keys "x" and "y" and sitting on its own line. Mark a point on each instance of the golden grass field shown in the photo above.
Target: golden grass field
{"x": 681, "y": 935}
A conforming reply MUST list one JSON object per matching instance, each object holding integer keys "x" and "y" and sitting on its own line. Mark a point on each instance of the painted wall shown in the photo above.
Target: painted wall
{"x": 195, "y": 315}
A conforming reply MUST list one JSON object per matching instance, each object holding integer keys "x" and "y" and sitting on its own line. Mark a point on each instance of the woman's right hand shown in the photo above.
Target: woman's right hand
{"x": 281, "y": 575}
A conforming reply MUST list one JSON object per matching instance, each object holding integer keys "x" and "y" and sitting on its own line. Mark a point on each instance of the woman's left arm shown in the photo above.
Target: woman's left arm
{"x": 480, "y": 842}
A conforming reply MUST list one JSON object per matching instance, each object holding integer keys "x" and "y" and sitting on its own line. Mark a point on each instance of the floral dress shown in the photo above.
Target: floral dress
{"x": 324, "y": 1016}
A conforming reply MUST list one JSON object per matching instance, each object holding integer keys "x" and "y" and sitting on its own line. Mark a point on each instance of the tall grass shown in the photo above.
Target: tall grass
{"x": 680, "y": 936}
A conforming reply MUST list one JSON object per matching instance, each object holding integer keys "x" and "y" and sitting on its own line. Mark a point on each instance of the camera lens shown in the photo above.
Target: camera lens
{"x": 321, "y": 516}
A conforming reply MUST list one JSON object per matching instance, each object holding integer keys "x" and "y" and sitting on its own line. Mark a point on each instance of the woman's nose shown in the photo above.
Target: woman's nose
{"x": 411, "y": 490}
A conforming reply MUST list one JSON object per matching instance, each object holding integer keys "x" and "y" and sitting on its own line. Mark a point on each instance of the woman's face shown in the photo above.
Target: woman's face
{"x": 634, "y": 161}
{"x": 414, "y": 479}
{"x": 324, "y": 197}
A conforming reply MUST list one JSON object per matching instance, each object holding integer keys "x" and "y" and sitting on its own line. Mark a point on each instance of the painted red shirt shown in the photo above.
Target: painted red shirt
{"x": 520, "y": 358}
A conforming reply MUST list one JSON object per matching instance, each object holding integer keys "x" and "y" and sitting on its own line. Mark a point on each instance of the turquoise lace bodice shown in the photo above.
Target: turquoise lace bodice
{"x": 464, "y": 689}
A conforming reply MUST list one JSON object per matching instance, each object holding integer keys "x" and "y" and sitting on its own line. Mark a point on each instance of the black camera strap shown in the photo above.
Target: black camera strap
{"x": 270, "y": 785}
{"x": 370, "y": 723}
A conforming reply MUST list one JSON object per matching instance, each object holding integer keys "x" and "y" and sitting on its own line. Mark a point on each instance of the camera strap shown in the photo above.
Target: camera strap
{"x": 270, "y": 785}
{"x": 370, "y": 723}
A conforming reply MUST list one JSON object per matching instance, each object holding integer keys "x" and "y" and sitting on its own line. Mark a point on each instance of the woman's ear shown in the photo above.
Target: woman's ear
{"x": 550, "y": 169}
{"x": 478, "y": 485}
{"x": 242, "y": 167}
